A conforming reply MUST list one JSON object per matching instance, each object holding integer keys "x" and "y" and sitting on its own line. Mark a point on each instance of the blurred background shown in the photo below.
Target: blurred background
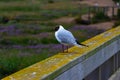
{"x": 27, "y": 27}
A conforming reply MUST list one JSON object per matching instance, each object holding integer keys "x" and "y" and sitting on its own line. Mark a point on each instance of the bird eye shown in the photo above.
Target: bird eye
{"x": 56, "y": 28}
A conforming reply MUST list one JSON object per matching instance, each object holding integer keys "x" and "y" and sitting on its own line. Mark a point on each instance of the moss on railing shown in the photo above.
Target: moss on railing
{"x": 52, "y": 67}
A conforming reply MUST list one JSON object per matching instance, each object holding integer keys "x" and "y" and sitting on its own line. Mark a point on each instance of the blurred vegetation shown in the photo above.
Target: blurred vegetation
{"x": 26, "y": 30}
{"x": 32, "y": 10}
{"x": 79, "y": 20}
{"x": 12, "y": 60}
{"x": 116, "y": 0}
{"x": 100, "y": 17}
{"x": 4, "y": 19}
{"x": 117, "y": 23}
{"x": 118, "y": 14}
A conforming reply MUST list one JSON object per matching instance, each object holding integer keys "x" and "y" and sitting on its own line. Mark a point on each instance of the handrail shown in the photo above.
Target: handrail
{"x": 54, "y": 66}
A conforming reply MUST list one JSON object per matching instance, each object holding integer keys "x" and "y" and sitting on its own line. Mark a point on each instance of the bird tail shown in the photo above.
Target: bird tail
{"x": 81, "y": 45}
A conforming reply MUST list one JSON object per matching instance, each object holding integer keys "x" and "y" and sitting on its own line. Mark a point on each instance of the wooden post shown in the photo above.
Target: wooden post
{"x": 114, "y": 63}
{"x": 100, "y": 73}
{"x": 105, "y": 10}
{"x": 89, "y": 8}
{"x": 112, "y": 11}
{"x": 117, "y": 61}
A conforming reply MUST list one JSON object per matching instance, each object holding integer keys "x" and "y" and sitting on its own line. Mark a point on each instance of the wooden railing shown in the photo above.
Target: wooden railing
{"x": 101, "y": 57}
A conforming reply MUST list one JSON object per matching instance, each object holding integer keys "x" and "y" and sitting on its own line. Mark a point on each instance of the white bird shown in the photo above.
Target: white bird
{"x": 65, "y": 37}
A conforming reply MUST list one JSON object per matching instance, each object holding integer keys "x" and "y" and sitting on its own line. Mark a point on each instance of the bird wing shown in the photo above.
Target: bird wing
{"x": 66, "y": 37}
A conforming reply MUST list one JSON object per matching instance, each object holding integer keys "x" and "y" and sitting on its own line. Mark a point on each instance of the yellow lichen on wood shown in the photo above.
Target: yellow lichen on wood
{"x": 48, "y": 66}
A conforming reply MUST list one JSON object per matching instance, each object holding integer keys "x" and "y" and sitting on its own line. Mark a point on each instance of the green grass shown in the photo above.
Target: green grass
{"x": 12, "y": 60}
{"x": 10, "y": 0}
{"x": 33, "y": 18}
{"x": 19, "y": 8}
{"x": 40, "y": 10}
{"x": 26, "y": 40}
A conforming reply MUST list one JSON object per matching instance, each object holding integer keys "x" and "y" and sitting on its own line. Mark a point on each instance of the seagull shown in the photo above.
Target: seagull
{"x": 66, "y": 38}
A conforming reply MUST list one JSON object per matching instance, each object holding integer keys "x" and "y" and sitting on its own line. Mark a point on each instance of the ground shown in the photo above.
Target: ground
{"x": 99, "y": 2}
{"x": 104, "y": 25}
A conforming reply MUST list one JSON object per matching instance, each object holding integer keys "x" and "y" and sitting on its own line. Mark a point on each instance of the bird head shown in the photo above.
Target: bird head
{"x": 58, "y": 27}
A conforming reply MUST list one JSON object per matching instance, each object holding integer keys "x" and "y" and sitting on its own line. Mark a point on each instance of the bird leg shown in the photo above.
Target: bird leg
{"x": 67, "y": 48}
{"x": 66, "y": 51}
{"x": 62, "y": 48}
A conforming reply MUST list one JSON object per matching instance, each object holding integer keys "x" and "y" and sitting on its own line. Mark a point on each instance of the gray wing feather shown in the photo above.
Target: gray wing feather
{"x": 66, "y": 37}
